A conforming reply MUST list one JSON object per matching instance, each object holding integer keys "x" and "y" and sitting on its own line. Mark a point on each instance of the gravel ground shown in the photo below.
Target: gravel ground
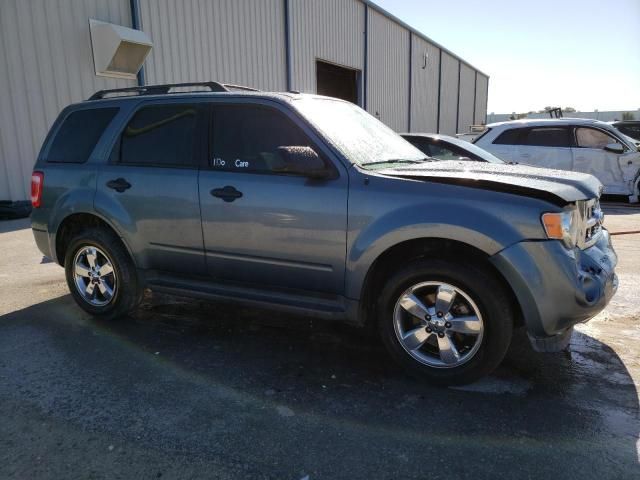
{"x": 187, "y": 389}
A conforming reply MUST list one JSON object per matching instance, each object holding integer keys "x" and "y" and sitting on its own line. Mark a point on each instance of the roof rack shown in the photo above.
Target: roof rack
{"x": 231, "y": 86}
{"x": 166, "y": 89}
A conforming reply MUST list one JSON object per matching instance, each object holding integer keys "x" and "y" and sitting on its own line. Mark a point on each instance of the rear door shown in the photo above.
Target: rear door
{"x": 261, "y": 227}
{"x": 548, "y": 147}
{"x": 150, "y": 186}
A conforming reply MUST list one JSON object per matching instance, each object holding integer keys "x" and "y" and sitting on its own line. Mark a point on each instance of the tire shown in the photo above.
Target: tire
{"x": 477, "y": 293}
{"x": 106, "y": 249}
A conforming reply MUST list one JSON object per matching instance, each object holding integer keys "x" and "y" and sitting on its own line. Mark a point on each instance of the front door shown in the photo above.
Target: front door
{"x": 262, "y": 227}
{"x": 590, "y": 156}
{"x": 150, "y": 188}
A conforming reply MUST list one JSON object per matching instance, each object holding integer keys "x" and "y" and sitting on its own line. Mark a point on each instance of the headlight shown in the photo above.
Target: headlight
{"x": 562, "y": 226}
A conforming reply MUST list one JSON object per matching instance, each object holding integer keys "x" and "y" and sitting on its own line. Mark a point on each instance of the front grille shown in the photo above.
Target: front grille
{"x": 591, "y": 221}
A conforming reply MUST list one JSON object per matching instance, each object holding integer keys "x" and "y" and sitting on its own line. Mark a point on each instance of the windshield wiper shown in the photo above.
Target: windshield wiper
{"x": 394, "y": 161}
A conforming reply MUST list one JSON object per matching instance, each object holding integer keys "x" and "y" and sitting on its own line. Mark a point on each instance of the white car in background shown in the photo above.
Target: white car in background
{"x": 581, "y": 145}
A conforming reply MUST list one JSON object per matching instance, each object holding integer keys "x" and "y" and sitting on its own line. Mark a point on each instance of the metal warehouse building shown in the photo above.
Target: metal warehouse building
{"x": 56, "y": 52}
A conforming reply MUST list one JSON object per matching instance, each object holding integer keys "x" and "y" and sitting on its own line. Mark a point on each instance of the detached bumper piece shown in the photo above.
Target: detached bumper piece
{"x": 555, "y": 343}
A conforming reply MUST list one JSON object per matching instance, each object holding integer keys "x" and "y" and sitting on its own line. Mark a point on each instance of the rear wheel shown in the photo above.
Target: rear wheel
{"x": 448, "y": 322}
{"x": 100, "y": 274}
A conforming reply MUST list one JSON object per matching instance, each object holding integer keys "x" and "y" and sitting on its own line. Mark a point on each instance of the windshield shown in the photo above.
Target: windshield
{"x": 631, "y": 140}
{"x": 361, "y": 138}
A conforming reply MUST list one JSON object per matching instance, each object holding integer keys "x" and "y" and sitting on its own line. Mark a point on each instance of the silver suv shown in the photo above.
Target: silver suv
{"x": 308, "y": 204}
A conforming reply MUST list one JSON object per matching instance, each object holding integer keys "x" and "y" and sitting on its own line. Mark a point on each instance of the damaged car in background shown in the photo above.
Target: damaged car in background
{"x": 580, "y": 145}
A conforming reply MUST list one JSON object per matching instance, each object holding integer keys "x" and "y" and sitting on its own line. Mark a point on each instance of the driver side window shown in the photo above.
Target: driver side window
{"x": 246, "y": 139}
{"x": 593, "y": 138}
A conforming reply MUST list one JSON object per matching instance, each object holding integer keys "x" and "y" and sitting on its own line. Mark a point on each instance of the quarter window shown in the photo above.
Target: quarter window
{"x": 246, "y": 138}
{"x": 547, "y": 137}
{"x": 510, "y": 137}
{"x": 593, "y": 138}
{"x": 78, "y": 135}
{"x": 160, "y": 135}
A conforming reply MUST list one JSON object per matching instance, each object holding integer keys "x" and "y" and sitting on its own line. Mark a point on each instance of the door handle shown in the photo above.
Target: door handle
{"x": 119, "y": 185}
{"x": 525, "y": 155}
{"x": 228, "y": 193}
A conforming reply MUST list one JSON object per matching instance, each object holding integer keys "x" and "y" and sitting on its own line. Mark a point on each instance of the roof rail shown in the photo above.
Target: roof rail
{"x": 231, "y": 86}
{"x": 166, "y": 88}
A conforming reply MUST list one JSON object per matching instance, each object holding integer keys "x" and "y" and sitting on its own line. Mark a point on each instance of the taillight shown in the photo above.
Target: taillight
{"x": 37, "y": 181}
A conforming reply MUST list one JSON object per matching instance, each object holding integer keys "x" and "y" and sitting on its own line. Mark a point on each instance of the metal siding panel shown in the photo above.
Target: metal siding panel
{"x": 481, "y": 99}
{"x": 449, "y": 95}
{"x": 226, "y": 40}
{"x": 46, "y": 63}
{"x": 424, "y": 87}
{"x": 388, "y": 83}
{"x": 467, "y": 85}
{"x": 331, "y": 30}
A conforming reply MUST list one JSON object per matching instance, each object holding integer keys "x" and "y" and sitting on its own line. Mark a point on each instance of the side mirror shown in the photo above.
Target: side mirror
{"x": 615, "y": 148}
{"x": 301, "y": 160}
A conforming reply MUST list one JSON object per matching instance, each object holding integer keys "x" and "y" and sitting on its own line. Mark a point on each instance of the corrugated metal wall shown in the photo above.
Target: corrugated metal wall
{"x": 46, "y": 61}
{"x": 45, "y": 64}
{"x": 331, "y": 30}
{"x": 482, "y": 86}
{"x": 232, "y": 41}
{"x": 467, "y": 93}
{"x": 424, "y": 86}
{"x": 449, "y": 94}
{"x": 388, "y": 76}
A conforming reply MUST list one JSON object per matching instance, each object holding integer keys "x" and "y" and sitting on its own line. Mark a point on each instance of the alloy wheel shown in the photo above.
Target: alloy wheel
{"x": 94, "y": 276}
{"x": 438, "y": 324}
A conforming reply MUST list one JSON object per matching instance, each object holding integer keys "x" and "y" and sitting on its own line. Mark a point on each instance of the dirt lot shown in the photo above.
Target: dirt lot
{"x": 189, "y": 389}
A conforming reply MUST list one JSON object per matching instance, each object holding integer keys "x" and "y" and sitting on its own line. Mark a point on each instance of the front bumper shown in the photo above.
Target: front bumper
{"x": 556, "y": 287}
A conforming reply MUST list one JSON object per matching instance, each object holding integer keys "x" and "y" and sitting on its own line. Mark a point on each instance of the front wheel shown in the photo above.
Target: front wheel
{"x": 447, "y": 322}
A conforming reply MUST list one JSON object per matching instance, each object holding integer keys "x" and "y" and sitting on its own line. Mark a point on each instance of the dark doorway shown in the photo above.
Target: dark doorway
{"x": 339, "y": 82}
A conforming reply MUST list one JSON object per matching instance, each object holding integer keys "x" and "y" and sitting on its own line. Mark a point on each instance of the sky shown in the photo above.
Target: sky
{"x": 583, "y": 54}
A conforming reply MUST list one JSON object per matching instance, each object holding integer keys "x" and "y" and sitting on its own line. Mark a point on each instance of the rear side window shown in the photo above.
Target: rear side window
{"x": 547, "y": 137}
{"x": 78, "y": 135}
{"x": 160, "y": 135}
{"x": 510, "y": 137}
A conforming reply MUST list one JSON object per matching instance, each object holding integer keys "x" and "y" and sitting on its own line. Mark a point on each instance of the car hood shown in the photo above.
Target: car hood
{"x": 557, "y": 186}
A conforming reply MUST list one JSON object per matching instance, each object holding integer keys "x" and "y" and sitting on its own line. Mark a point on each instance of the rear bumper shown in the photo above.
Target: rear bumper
{"x": 557, "y": 288}
{"x": 42, "y": 239}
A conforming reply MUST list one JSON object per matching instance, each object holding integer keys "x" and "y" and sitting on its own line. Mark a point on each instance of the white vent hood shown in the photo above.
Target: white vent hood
{"x": 118, "y": 51}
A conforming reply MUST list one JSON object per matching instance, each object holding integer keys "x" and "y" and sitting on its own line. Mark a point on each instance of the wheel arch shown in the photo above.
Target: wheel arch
{"x": 74, "y": 223}
{"x": 404, "y": 252}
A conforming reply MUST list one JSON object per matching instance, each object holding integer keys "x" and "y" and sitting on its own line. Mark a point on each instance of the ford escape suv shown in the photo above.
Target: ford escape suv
{"x": 308, "y": 204}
